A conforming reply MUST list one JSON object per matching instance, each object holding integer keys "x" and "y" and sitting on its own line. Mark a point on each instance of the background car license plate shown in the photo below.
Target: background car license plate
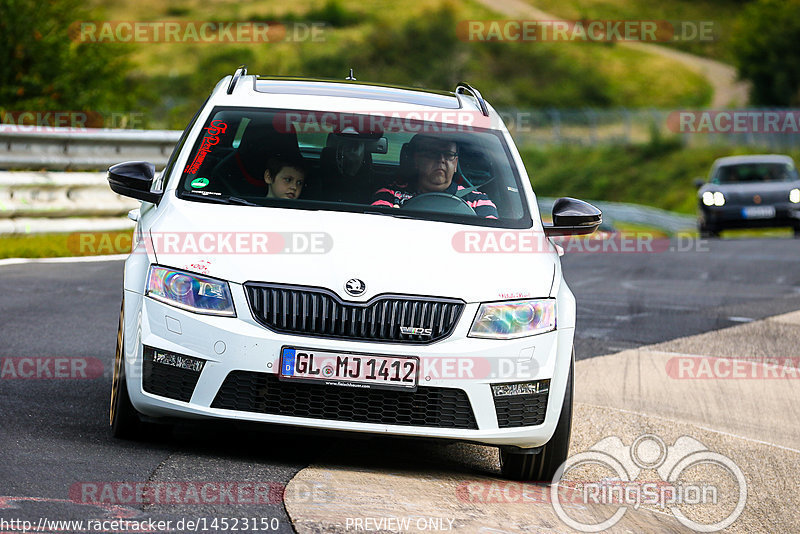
{"x": 349, "y": 369}
{"x": 758, "y": 212}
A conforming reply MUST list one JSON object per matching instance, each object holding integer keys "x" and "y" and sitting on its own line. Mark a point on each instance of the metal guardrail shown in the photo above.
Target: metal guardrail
{"x": 35, "y": 148}
{"x": 59, "y": 194}
{"x": 39, "y": 225}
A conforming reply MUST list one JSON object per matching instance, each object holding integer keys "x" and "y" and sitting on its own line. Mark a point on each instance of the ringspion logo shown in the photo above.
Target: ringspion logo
{"x": 609, "y": 473}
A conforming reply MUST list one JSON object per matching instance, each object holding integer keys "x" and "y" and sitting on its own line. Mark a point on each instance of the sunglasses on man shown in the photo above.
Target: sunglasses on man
{"x": 434, "y": 155}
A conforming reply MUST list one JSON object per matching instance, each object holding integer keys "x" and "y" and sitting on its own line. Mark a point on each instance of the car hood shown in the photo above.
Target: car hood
{"x": 326, "y": 249}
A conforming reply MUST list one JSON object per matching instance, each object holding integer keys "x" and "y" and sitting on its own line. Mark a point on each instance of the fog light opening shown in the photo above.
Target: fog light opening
{"x": 521, "y": 388}
{"x": 176, "y": 360}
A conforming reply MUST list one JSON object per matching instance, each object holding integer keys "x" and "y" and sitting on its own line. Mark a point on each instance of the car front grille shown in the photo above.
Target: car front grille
{"x": 521, "y": 410}
{"x": 766, "y": 198}
{"x": 426, "y": 407}
{"x": 321, "y": 313}
{"x": 167, "y": 380}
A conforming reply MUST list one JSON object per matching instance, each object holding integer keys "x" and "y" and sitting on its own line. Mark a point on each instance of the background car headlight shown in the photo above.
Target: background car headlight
{"x": 794, "y": 195}
{"x": 708, "y": 198}
{"x": 190, "y": 291}
{"x": 506, "y": 320}
{"x": 719, "y": 199}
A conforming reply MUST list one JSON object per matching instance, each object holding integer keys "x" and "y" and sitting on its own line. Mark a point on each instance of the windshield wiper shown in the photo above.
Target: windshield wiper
{"x": 223, "y": 200}
{"x": 388, "y": 214}
{"x": 241, "y": 201}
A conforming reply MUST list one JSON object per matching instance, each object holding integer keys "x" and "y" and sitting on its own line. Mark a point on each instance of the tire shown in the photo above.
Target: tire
{"x": 123, "y": 417}
{"x": 542, "y": 467}
{"x": 708, "y": 231}
{"x": 797, "y": 232}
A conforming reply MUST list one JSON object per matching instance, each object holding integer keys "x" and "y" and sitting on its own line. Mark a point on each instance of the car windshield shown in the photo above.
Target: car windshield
{"x": 755, "y": 172}
{"x": 398, "y": 166}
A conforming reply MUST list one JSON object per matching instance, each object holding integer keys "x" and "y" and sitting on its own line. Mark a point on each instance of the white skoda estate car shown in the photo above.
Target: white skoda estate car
{"x": 348, "y": 256}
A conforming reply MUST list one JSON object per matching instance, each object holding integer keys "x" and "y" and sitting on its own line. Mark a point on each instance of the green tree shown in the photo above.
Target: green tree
{"x": 766, "y": 47}
{"x": 46, "y": 68}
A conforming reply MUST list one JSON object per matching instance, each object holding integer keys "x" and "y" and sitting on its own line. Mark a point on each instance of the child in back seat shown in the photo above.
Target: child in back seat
{"x": 285, "y": 177}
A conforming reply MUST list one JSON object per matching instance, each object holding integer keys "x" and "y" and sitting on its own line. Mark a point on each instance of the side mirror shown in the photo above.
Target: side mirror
{"x": 698, "y": 183}
{"x": 573, "y": 217}
{"x": 134, "y": 179}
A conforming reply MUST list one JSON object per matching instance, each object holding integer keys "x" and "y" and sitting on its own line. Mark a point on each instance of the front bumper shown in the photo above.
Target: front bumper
{"x": 242, "y": 346}
{"x": 733, "y": 216}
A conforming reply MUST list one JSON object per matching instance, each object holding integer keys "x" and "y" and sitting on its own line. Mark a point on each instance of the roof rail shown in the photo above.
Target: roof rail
{"x": 463, "y": 87}
{"x": 241, "y": 71}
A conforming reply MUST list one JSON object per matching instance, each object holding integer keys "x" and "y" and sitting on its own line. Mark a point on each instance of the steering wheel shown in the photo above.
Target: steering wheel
{"x": 235, "y": 183}
{"x": 228, "y": 153}
{"x": 439, "y": 202}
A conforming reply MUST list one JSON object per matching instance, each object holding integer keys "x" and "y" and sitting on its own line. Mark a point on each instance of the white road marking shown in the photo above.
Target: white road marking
{"x": 76, "y": 259}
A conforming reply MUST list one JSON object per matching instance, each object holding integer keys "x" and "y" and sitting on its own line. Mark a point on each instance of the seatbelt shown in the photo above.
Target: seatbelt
{"x": 461, "y": 193}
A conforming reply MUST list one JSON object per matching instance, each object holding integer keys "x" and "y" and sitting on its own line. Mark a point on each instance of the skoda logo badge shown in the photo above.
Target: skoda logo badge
{"x": 355, "y": 287}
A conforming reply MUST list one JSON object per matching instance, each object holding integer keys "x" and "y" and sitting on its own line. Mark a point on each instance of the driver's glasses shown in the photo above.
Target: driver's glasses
{"x": 434, "y": 155}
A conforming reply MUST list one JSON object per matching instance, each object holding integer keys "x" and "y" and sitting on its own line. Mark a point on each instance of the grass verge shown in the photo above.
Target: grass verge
{"x": 64, "y": 245}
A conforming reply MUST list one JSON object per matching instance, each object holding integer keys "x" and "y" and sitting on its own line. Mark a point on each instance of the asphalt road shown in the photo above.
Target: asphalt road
{"x": 54, "y": 436}
{"x": 626, "y": 300}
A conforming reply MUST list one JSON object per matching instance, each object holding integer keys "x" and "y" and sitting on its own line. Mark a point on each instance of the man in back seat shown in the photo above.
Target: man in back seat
{"x": 347, "y": 168}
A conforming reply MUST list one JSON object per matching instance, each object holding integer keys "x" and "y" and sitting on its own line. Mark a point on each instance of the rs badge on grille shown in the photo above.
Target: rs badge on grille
{"x": 416, "y": 331}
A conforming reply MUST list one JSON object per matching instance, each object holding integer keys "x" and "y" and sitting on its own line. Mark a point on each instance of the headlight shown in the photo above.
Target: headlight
{"x": 189, "y": 291}
{"x": 708, "y": 198}
{"x": 719, "y": 199}
{"x": 507, "y": 320}
{"x": 794, "y": 195}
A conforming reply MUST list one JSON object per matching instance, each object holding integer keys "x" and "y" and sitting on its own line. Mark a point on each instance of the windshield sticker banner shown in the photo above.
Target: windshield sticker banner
{"x": 211, "y": 139}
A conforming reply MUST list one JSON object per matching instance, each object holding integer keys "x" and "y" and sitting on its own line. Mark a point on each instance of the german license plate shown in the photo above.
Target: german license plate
{"x": 758, "y": 212}
{"x": 349, "y": 369}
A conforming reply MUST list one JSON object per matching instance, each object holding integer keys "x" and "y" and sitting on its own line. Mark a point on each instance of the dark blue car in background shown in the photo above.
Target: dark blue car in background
{"x": 758, "y": 191}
